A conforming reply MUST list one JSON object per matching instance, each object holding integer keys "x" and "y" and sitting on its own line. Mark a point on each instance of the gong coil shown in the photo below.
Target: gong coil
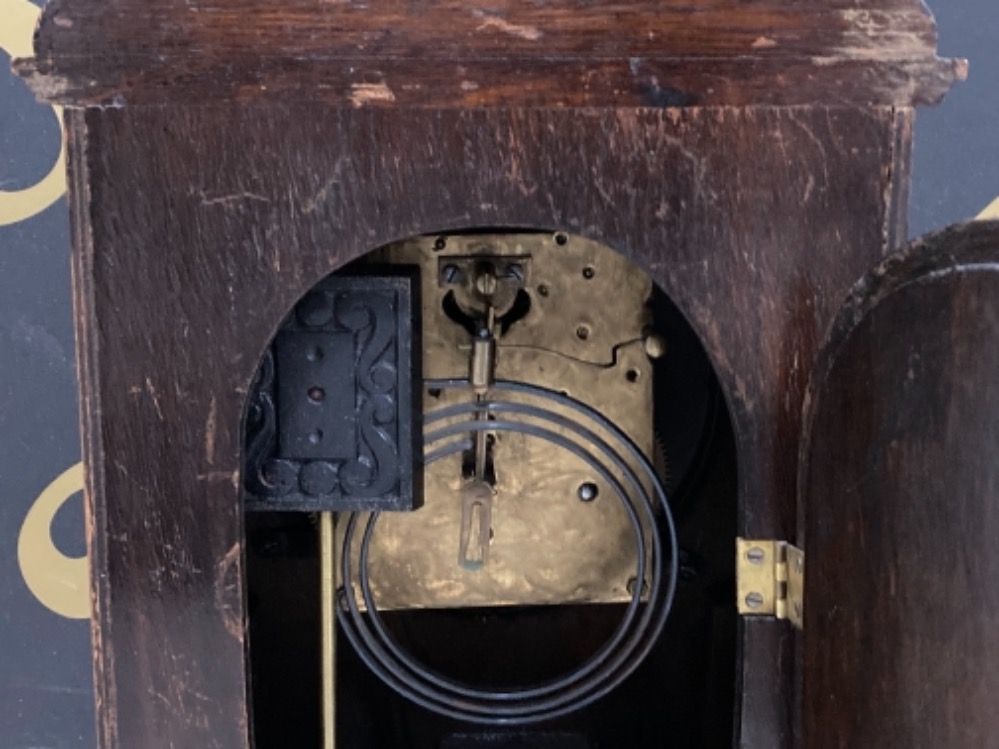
{"x": 640, "y": 493}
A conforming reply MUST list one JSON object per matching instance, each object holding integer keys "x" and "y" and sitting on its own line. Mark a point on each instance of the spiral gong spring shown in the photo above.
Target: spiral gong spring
{"x": 562, "y": 421}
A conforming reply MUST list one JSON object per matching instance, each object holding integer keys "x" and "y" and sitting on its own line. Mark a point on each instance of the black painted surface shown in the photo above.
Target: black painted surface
{"x": 334, "y": 422}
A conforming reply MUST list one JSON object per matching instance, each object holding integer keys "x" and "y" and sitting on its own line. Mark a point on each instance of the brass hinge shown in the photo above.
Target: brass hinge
{"x": 770, "y": 580}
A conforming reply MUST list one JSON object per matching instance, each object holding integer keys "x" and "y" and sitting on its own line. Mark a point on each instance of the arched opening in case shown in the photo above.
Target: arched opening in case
{"x": 567, "y": 576}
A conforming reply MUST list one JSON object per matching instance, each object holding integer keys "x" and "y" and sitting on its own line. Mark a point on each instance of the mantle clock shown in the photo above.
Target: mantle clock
{"x": 599, "y": 311}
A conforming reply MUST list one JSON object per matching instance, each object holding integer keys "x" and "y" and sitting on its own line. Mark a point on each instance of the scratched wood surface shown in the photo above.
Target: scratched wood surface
{"x": 197, "y": 228}
{"x": 454, "y": 53}
{"x": 900, "y": 483}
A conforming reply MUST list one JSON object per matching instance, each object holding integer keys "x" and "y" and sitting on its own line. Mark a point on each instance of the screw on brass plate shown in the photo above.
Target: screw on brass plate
{"x": 755, "y": 555}
{"x": 486, "y": 283}
{"x": 754, "y": 600}
{"x": 632, "y": 582}
{"x": 450, "y": 274}
{"x": 582, "y": 332}
{"x": 440, "y": 243}
{"x": 587, "y": 491}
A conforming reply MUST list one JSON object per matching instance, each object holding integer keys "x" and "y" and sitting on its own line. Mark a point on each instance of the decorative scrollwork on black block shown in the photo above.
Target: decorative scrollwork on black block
{"x": 333, "y": 421}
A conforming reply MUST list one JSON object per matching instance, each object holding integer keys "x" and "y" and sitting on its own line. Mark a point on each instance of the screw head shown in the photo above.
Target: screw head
{"x": 632, "y": 582}
{"x": 486, "y": 284}
{"x": 450, "y": 274}
{"x": 754, "y": 600}
{"x": 588, "y": 491}
{"x": 655, "y": 346}
{"x": 755, "y": 555}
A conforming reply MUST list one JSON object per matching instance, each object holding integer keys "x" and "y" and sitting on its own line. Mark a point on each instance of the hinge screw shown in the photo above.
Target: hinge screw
{"x": 755, "y": 555}
{"x": 754, "y": 600}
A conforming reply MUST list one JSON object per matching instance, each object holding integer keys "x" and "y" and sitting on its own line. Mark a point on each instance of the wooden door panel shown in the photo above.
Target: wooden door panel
{"x": 900, "y": 476}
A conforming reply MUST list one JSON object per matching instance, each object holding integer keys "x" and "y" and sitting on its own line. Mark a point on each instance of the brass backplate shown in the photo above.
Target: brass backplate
{"x": 583, "y": 334}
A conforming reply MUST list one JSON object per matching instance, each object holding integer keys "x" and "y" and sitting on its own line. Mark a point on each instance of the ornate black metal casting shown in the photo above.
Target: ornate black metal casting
{"x": 333, "y": 422}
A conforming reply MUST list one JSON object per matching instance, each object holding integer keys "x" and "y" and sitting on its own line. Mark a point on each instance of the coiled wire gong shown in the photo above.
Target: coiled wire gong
{"x": 641, "y": 495}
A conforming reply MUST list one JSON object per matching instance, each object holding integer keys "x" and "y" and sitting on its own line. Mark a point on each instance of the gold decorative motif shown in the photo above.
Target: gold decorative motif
{"x": 59, "y": 582}
{"x": 990, "y": 212}
{"x": 16, "y": 31}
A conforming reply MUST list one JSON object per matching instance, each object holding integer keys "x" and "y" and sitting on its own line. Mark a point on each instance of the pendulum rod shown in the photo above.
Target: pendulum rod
{"x": 327, "y": 542}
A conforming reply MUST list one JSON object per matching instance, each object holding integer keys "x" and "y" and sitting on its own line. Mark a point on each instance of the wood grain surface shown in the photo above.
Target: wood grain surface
{"x": 455, "y": 54}
{"x": 197, "y": 228}
{"x": 900, "y": 484}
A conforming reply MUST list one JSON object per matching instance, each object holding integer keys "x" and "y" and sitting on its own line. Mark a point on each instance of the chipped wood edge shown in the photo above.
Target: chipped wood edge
{"x": 483, "y": 84}
{"x": 87, "y": 343}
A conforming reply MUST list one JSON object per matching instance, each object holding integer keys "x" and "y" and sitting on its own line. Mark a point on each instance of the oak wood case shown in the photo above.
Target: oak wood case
{"x": 224, "y": 158}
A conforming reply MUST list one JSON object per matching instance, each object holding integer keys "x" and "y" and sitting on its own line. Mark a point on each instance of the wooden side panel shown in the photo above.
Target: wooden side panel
{"x": 78, "y": 180}
{"x": 901, "y": 488}
{"x": 202, "y": 226}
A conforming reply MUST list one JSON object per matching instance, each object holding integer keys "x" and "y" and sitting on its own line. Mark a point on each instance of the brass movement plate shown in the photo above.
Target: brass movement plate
{"x": 583, "y": 335}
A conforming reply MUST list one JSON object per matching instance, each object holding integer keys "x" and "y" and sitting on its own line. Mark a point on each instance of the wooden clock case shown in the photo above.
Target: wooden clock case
{"x": 225, "y": 156}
